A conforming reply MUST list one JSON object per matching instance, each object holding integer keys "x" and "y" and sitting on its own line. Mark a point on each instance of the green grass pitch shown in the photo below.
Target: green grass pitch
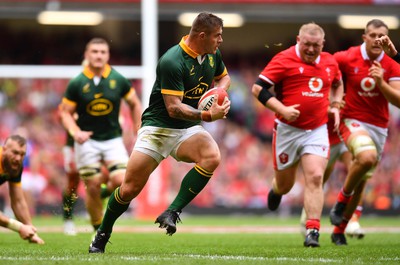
{"x": 204, "y": 240}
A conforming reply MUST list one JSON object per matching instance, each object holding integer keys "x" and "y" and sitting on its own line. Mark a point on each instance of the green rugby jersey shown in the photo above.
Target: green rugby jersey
{"x": 98, "y": 106}
{"x": 180, "y": 73}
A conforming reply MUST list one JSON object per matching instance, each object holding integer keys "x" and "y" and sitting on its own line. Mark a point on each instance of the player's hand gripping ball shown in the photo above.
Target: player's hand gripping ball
{"x": 208, "y": 98}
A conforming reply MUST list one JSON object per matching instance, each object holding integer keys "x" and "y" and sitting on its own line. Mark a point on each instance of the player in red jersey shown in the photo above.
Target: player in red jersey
{"x": 372, "y": 80}
{"x": 305, "y": 80}
{"x": 339, "y": 152}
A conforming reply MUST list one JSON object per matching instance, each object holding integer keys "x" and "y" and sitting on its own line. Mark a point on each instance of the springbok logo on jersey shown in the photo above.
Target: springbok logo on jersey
{"x": 191, "y": 72}
{"x": 315, "y": 84}
{"x": 211, "y": 60}
{"x": 113, "y": 84}
{"x": 367, "y": 84}
{"x": 86, "y": 88}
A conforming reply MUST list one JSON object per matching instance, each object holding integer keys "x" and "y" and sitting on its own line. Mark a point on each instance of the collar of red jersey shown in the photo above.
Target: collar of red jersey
{"x": 365, "y": 56}
{"x": 89, "y": 74}
{"x": 298, "y": 55}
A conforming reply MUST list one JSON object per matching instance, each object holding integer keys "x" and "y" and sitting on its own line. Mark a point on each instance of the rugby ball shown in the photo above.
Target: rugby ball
{"x": 208, "y": 98}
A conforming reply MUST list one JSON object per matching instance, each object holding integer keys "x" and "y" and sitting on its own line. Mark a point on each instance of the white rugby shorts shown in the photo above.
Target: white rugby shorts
{"x": 290, "y": 143}
{"x": 377, "y": 134}
{"x": 159, "y": 142}
{"x": 69, "y": 158}
{"x": 336, "y": 151}
{"x": 92, "y": 152}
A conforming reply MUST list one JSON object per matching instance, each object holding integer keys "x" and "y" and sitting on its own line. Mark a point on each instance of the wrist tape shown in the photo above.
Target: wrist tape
{"x": 14, "y": 225}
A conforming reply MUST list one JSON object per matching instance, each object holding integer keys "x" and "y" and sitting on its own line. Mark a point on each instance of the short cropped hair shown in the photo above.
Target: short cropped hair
{"x": 96, "y": 41}
{"x": 16, "y": 138}
{"x": 312, "y": 29}
{"x": 206, "y": 22}
{"x": 376, "y": 23}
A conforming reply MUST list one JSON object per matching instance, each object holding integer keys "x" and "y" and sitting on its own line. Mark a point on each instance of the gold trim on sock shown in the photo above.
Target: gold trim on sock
{"x": 203, "y": 172}
{"x": 118, "y": 199}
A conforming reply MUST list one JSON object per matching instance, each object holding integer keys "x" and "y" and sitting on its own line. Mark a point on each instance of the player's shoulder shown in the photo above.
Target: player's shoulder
{"x": 350, "y": 51}
{"x": 78, "y": 79}
{"x": 289, "y": 52}
{"x": 115, "y": 74}
{"x": 173, "y": 59}
{"x": 351, "y": 55}
{"x": 388, "y": 60}
{"x": 327, "y": 57}
{"x": 173, "y": 53}
{"x": 285, "y": 57}
{"x": 218, "y": 53}
{"x": 390, "y": 65}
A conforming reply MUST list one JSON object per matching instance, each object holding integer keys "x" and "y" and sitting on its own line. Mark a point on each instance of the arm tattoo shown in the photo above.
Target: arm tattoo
{"x": 192, "y": 114}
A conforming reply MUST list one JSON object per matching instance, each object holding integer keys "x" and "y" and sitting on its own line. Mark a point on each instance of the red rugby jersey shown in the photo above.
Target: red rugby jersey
{"x": 306, "y": 84}
{"x": 364, "y": 100}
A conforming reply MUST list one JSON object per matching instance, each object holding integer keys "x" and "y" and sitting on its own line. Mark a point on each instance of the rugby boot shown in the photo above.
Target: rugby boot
{"x": 338, "y": 239}
{"x": 312, "y": 238}
{"x": 99, "y": 242}
{"x": 168, "y": 220}
{"x": 336, "y": 213}
{"x": 273, "y": 200}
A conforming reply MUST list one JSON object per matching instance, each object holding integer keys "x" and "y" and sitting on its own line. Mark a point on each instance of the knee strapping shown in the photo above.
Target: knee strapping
{"x": 116, "y": 168}
{"x": 89, "y": 171}
{"x": 361, "y": 143}
{"x": 369, "y": 173}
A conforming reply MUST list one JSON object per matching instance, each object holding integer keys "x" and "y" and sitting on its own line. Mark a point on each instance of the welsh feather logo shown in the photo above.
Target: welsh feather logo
{"x": 283, "y": 158}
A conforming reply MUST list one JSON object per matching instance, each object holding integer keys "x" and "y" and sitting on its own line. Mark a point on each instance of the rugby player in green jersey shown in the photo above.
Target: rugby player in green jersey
{"x": 171, "y": 125}
{"x": 96, "y": 95}
{"x": 11, "y": 157}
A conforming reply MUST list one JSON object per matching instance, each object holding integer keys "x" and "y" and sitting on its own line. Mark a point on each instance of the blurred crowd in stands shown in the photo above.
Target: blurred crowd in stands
{"x": 29, "y": 107}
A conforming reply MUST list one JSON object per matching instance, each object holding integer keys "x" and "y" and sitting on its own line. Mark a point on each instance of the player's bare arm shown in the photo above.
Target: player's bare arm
{"x": 289, "y": 113}
{"x": 391, "y": 90}
{"x": 178, "y": 110}
{"x": 67, "y": 118}
{"x": 24, "y": 231}
{"x": 18, "y": 204}
{"x": 21, "y": 212}
{"x": 336, "y": 99}
{"x": 136, "y": 109}
{"x": 223, "y": 82}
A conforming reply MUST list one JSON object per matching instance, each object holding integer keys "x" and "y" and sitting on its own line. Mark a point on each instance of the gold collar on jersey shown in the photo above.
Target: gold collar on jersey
{"x": 187, "y": 48}
{"x": 89, "y": 74}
